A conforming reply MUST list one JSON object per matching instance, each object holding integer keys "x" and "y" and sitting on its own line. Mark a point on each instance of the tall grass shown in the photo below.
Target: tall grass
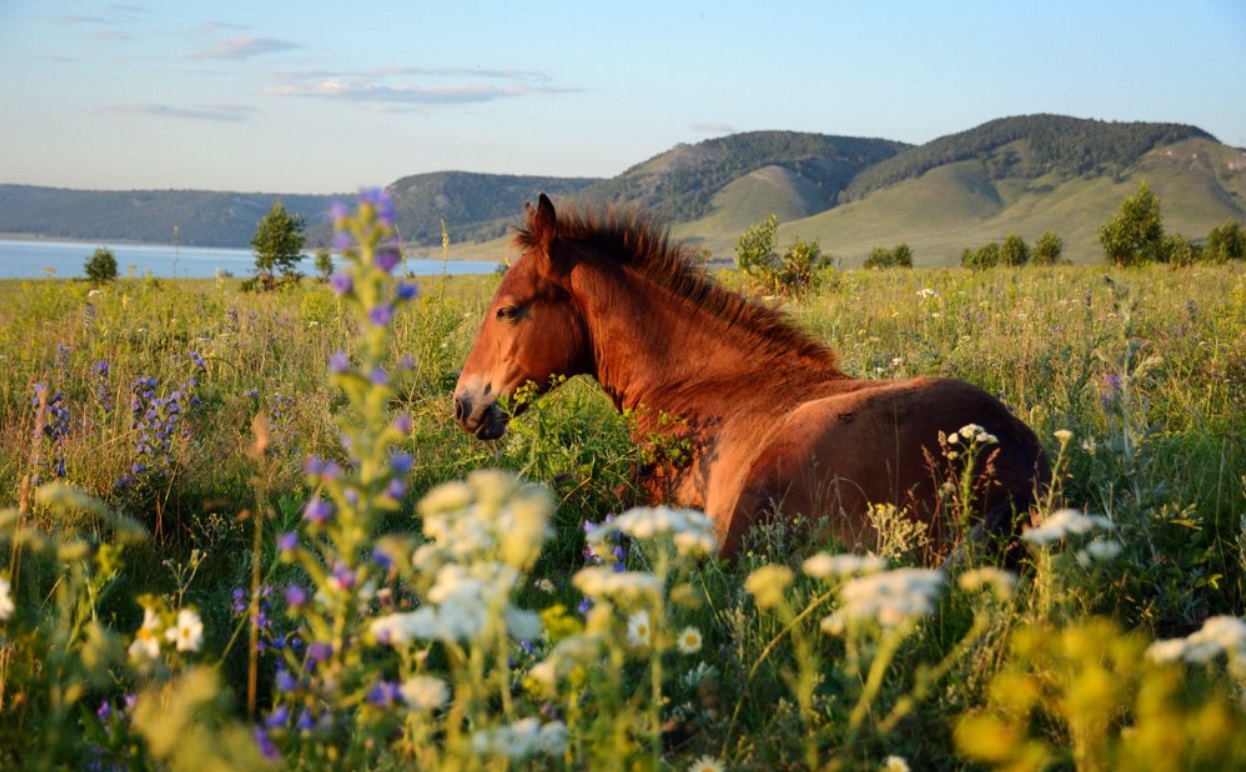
{"x": 152, "y": 397}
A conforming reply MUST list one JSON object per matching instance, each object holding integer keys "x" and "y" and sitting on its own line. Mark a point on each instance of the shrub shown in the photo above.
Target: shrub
{"x": 901, "y": 256}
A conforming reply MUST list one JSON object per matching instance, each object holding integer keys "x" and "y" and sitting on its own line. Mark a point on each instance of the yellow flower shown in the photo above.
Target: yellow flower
{"x": 767, "y": 584}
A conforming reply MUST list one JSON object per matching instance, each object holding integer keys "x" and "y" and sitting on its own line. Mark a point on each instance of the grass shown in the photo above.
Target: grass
{"x": 1146, "y": 369}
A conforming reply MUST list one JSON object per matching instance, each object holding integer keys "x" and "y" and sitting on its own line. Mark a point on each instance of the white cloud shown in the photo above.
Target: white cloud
{"x": 713, "y": 128}
{"x": 244, "y": 47}
{"x": 414, "y": 87}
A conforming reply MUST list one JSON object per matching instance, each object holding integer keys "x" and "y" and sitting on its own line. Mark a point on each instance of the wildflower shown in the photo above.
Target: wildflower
{"x": 318, "y": 510}
{"x": 187, "y": 634}
{"x": 267, "y": 748}
{"x": 296, "y": 596}
{"x": 888, "y": 598}
{"x": 1063, "y": 523}
{"x": 338, "y": 362}
{"x": 926, "y": 292}
{"x": 386, "y": 258}
{"x": 402, "y": 424}
{"x": 341, "y": 283}
{"x": 524, "y": 738}
{"x": 639, "y": 632}
{"x": 1001, "y": 583}
{"x": 543, "y": 584}
{"x": 385, "y": 694}
{"x": 406, "y": 291}
{"x": 424, "y": 693}
{"x": 768, "y": 583}
{"x": 1064, "y": 435}
{"x": 600, "y": 582}
{"x": 288, "y": 542}
{"x": 1098, "y": 550}
{"x": 7, "y": 606}
{"x": 706, "y": 763}
{"x": 146, "y": 643}
{"x": 689, "y": 641}
{"x": 823, "y": 565}
{"x": 895, "y": 764}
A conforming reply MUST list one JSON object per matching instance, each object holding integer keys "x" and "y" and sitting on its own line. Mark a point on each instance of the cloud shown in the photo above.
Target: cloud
{"x": 222, "y": 113}
{"x": 713, "y": 128}
{"x": 244, "y": 47}
{"x": 414, "y": 87}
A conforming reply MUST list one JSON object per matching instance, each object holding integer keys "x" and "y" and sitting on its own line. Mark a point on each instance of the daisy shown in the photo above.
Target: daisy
{"x": 147, "y": 640}
{"x": 7, "y": 607}
{"x": 187, "y": 634}
{"x": 706, "y": 763}
{"x": 639, "y": 633}
{"x": 424, "y": 693}
{"x": 689, "y": 641}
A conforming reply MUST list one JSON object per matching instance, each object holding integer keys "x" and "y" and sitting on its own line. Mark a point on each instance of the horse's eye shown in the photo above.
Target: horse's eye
{"x": 508, "y": 313}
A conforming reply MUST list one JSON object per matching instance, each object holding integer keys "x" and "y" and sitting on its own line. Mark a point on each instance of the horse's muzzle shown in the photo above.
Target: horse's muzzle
{"x": 482, "y": 418}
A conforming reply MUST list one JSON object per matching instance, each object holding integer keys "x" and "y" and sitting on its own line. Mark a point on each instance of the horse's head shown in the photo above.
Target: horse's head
{"x": 531, "y": 332}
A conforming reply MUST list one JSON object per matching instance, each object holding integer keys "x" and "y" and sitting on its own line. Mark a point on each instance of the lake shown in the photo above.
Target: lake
{"x": 31, "y": 259}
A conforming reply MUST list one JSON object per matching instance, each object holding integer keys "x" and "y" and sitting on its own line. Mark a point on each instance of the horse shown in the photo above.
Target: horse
{"x": 768, "y": 421}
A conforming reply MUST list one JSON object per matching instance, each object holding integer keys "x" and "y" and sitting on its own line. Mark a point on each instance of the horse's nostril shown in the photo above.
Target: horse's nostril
{"x": 460, "y": 409}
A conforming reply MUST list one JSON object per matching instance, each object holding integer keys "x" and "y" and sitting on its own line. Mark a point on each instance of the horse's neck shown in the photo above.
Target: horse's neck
{"x": 664, "y": 356}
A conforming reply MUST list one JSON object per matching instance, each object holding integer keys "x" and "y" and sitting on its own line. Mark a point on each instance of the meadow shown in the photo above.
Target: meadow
{"x": 244, "y": 530}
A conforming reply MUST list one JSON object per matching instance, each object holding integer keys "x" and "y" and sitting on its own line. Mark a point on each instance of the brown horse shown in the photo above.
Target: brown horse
{"x": 770, "y": 421}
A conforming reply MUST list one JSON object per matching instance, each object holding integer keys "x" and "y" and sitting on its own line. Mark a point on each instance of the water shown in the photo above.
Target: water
{"x": 31, "y": 259}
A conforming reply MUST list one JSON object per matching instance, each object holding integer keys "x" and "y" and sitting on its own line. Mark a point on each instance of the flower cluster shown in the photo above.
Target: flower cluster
{"x": 57, "y": 423}
{"x": 888, "y": 598}
{"x": 1067, "y": 524}
{"x": 1219, "y": 635}
{"x": 184, "y": 632}
{"x": 160, "y": 422}
{"x": 522, "y": 739}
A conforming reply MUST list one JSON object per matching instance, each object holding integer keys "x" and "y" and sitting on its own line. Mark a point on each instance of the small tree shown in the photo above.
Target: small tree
{"x": 278, "y": 244}
{"x": 101, "y": 266}
{"x": 324, "y": 264}
{"x": 755, "y": 251}
{"x": 882, "y": 258}
{"x": 1014, "y": 251}
{"x": 1228, "y": 242}
{"x": 794, "y": 272}
{"x": 801, "y": 263}
{"x": 1048, "y": 250}
{"x": 1135, "y": 236}
{"x": 986, "y": 256}
{"x": 1178, "y": 250}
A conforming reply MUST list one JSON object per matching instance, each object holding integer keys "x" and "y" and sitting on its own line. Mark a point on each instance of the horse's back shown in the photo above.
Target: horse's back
{"x": 873, "y": 442}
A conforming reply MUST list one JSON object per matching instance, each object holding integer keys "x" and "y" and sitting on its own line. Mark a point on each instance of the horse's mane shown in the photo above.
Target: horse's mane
{"x": 642, "y": 242}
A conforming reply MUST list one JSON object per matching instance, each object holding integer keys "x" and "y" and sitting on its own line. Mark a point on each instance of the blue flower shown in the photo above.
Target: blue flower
{"x": 381, "y": 315}
{"x": 384, "y": 694}
{"x": 267, "y": 748}
{"x": 407, "y": 291}
{"x": 339, "y": 362}
{"x": 386, "y": 258}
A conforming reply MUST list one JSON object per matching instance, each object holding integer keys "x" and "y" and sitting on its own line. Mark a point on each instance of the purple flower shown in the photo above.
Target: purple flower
{"x": 384, "y": 694}
{"x": 401, "y": 463}
{"x": 343, "y": 576}
{"x": 267, "y": 748}
{"x": 306, "y": 723}
{"x": 341, "y": 283}
{"x": 318, "y": 652}
{"x": 397, "y": 489}
{"x": 278, "y": 718}
{"x": 386, "y": 258}
{"x": 296, "y": 595}
{"x": 318, "y": 510}
{"x": 379, "y": 376}
{"x": 380, "y": 200}
{"x": 197, "y": 360}
{"x": 407, "y": 291}
{"x": 402, "y": 424}
{"x": 288, "y": 541}
{"x": 101, "y": 367}
{"x": 381, "y": 315}
{"x": 338, "y": 362}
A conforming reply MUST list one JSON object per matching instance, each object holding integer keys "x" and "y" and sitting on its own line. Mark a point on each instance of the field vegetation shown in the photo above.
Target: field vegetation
{"x": 245, "y": 531}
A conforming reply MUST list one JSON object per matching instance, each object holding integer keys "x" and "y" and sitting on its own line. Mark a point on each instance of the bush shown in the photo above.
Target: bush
{"x": 101, "y": 266}
{"x": 792, "y": 274}
{"x": 1048, "y": 250}
{"x": 899, "y": 257}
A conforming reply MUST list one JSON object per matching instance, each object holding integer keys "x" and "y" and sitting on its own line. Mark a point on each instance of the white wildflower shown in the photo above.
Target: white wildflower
{"x": 545, "y": 585}
{"x": 895, "y": 764}
{"x": 1169, "y": 650}
{"x": 522, "y": 624}
{"x": 706, "y": 763}
{"x": 7, "y": 606}
{"x": 891, "y": 597}
{"x": 1063, "y": 523}
{"x": 526, "y": 737}
{"x": 927, "y": 292}
{"x": 395, "y": 629}
{"x": 424, "y": 693}
{"x": 823, "y": 565}
{"x": 187, "y": 634}
{"x": 600, "y": 582}
{"x": 146, "y": 643}
{"x": 639, "y": 631}
{"x": 689, "y": 641}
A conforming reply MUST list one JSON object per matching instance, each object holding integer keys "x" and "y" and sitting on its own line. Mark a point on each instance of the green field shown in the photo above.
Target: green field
{"x": 1144, "y": 369}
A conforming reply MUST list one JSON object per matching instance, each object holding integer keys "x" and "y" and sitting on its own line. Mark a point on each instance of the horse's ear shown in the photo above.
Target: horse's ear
{"x": 542, "y": 222}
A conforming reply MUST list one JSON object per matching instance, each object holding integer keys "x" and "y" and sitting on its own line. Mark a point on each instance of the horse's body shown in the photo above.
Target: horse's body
{"x": 769, "y": 421}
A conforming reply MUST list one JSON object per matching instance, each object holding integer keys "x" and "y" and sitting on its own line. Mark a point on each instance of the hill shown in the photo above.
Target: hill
{"x": 1023, "y": 175}
{"x": 202, "y": 218}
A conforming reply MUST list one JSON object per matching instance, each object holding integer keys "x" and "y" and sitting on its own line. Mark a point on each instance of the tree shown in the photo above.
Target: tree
{"x": 754, "y": 252}
{"x": 1135, "y": 236}
{"x": 324, "y": 264}
{"x": 794, "y": 272}
{"x": 278, "y": 245}
{"x": 1014, "y": 251}
{"x": 986, "y": 256}
{"x": 1228, "y": 242}
{"x": 101, "y": 266}
{"x": 801, "y": 263}
{"x": 1048, "y": 250}
{"x": 899, "y": 257}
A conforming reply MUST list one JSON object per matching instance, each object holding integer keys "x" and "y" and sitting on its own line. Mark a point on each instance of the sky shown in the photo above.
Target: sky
{"x": 316, "y": 97}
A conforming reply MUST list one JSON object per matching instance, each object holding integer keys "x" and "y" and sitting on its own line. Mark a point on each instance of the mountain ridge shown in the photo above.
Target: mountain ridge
{"x": 1022, "y": 174}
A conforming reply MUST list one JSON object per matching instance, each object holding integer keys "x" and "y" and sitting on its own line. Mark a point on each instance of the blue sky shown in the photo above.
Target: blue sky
{"x": 312, "y": 97}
